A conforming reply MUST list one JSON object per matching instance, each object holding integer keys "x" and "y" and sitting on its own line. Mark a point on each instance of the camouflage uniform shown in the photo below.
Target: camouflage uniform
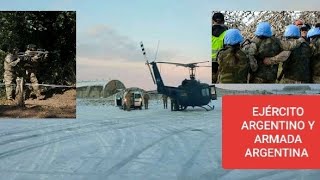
{"x": 250, "y": 49}
{"x": 264, "y": 48}
{"x": 315, "y": 60}
{"x": 267, "y": 47}
{"x": 296, "y": 63}
{"x": 32, "y": 70}
{"x": 11, "y": 60}
{"x": 165, "y": 101}
{"x": 127, "y": 102}
{"x": 233, "y": 65}
{"x": 146, "y": 98}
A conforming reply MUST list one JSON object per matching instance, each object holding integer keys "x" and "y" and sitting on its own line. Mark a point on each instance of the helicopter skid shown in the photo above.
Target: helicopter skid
{"x": 208, "y": 109}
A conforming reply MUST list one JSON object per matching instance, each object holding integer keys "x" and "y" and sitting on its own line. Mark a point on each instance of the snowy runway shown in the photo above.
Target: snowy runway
{"x": 105, "y": 142}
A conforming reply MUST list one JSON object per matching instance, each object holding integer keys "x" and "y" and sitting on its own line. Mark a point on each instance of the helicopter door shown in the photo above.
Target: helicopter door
{"x": 213, "y": 93}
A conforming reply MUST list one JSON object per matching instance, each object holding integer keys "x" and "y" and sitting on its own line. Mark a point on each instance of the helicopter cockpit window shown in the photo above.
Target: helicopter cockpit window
{"x": 205, "y": 92}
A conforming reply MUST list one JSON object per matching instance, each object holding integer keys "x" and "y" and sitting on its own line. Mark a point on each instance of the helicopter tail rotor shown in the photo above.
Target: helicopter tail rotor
{"x": 147, "y": 62}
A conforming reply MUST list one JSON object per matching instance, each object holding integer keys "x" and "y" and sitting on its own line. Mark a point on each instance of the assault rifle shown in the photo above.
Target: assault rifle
{"x": 41, "y": 53}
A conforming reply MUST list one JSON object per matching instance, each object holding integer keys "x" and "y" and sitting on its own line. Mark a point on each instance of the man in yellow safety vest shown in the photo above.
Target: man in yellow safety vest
{"x": 218, "y": 33}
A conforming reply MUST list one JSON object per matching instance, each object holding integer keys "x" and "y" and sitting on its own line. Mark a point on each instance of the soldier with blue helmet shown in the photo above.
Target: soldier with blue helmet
{"x": 296, "y": 63}
{"x": 264, "y": 45}
{"x": 314, "y": 35}
{"x": 233, "y": 62}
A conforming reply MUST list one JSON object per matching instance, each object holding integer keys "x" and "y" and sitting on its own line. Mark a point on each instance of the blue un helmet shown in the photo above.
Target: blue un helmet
{"x": 313, "y": 32}
{"x": 233, "y": 37}
{"x": 292, "y": 31}
{"x": 263, "y": 29}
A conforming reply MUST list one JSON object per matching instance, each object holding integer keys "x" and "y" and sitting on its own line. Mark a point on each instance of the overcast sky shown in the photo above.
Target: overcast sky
{"x": 109, "y": 33}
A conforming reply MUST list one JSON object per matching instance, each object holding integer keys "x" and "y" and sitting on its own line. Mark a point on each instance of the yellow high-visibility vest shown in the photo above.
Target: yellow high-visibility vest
{"x": 216, "y": 45}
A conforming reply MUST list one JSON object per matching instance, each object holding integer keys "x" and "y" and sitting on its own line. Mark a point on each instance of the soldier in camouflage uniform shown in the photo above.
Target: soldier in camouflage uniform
{"x": 314, "y": 35}
{"x": 146, "y": 98}
{"x": 165, "y": 101}
{"x": 127, "y": 101}
{"x": 10, "y": 62}
{"x": 233, "y": 62}
{"x": 264, "y": 45}
{"x": 31, "y": 70}
{"x": 296, "y": 63}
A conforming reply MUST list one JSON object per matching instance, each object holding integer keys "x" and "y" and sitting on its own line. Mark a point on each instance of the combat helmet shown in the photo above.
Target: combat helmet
{"x": 263, "y": 29}
{"x": 233, "y": 37}
{"x": 292, "y": 31}
{"x": 313, "y": 32}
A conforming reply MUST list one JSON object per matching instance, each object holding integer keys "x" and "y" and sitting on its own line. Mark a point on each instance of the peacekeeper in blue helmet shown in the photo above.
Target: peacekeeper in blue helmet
{"x": 233, "y": 62}
{"x": 263, "y": 45}
{"x": 296, "y": 63}
{"x": 314, "y": 35}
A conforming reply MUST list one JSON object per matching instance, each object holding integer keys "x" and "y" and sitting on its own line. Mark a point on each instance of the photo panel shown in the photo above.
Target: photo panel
{"x": 38, "y": 64}
{"x": 265, "y": 47}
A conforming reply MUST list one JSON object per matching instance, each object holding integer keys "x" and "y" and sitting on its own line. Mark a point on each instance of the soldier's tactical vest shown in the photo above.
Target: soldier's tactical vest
{"x": 233, "y": 66}
{"x": 216, "y": 45}
{"x": 297, "y": 66}
{"x": 315, "y": 59}
{"x": 268, "y": 47}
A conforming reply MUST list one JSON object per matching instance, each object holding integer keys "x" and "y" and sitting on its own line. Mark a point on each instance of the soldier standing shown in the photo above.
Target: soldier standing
{"x": 314, "y": 35}
{"x": 165, "y": 101}
{"x": 218, "y": 33}
{"x": 11, "y": 60}
{"x": 296, "y": 63}
{"x": 233, "y": 62}
{"x": 146, "y": 98}
{"x": 265, "y": 46}
{"x": 127, "y": 101}
{"x": 31, "y": 70}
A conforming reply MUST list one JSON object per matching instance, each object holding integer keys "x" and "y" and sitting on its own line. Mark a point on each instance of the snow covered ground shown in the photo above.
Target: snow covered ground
{"x": 105, "y": 142}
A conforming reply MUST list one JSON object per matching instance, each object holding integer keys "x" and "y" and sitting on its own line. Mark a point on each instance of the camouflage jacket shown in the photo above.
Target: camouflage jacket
{"x": 287, "y": 46}
{"x": 263, "y": 48}
{"x": 233, "y": 65}
{"x": 10, "y": 62}
{"x": 315, "y": 59}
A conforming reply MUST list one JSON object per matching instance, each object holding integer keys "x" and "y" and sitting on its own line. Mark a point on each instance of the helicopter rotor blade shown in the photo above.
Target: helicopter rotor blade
{"x": 147, "y": 62}
{"x": 177, "y": 64}
{"x": 156, "y": 55}
{"x": 184, "y": 65}
{"x": 199, "y": 62}
{"x": 202, "y": 66}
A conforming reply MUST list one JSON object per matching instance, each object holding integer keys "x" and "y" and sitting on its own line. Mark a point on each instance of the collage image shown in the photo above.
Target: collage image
{"x": 113, "y": 90}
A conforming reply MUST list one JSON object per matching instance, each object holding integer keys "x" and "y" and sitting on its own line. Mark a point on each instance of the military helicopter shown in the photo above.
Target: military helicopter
{"x": 190, "y": 93}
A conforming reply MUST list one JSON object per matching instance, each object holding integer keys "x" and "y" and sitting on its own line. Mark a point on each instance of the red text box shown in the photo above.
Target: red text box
{"x": 270, "y": 132}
